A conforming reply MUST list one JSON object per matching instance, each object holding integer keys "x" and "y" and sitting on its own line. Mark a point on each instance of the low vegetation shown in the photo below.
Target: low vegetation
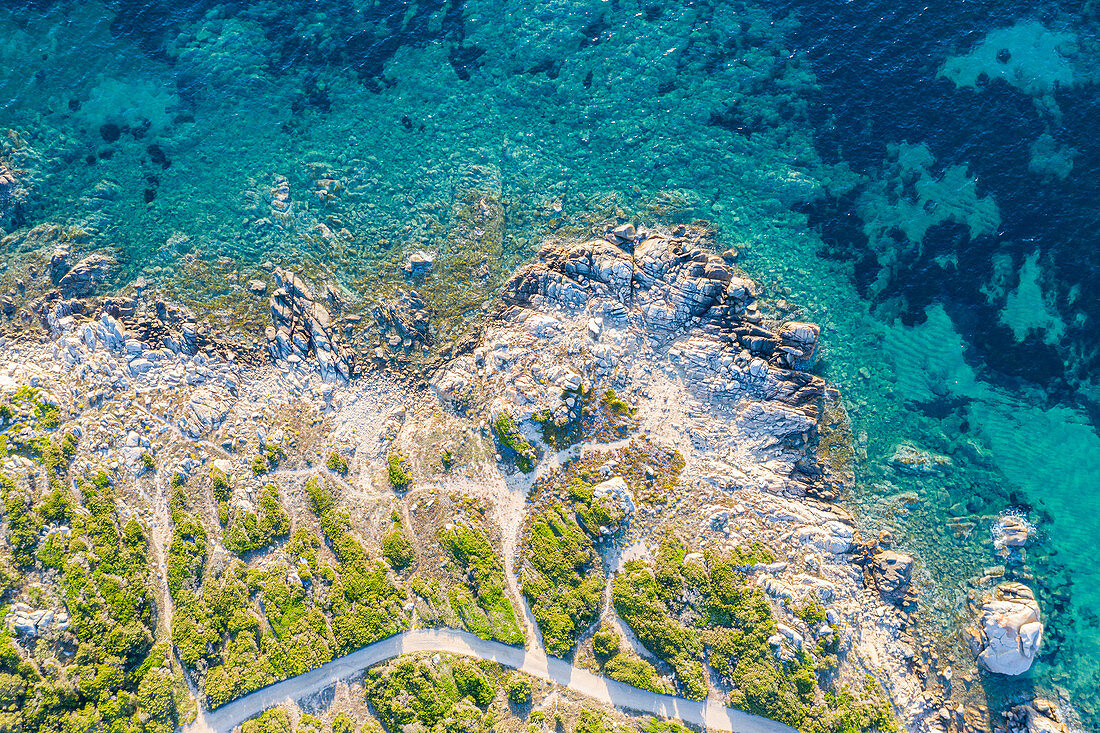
{"x": 482, "y": 603}
{"x": 685, "y": 609}
{"x": 396, "y": 548}
{"x": 621, "y": 663}
{"x": 114, "y": 676}
{"x": 312, "y": 609}
{"x": 562, "y": 574}
{"x": 444, "y": 696}
{"x": 337, "y": 463}
{"x": 398, "y": 469}
{"x": 515, "y": 446}
{"x": 586, "y": 417}
{"x": 562, "y": 577}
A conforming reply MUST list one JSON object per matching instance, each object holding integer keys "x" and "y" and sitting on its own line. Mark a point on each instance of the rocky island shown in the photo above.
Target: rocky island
{"x": 622, "y": 494}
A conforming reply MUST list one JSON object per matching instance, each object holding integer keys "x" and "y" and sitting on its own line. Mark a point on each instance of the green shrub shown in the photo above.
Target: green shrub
{"x": 397, "y": 550}
{"x": 337, "y": 463}
{"x": 472, "y": 683}
{"x": 273, "y": 454}
{"x": 321, "y": 498}
{"x": 56, "y": 506}
{"x": 398, "y": 471}
{"x": 632, "y": 670}
{"x": 275, "y": 720}
{"x": 342, "y": 723}
{"x": 56, "y": 456}
{"x": 605, "y": 643}
{"x": 590, "y": 722}
{"x": 260, "y": 465}
{"x": 509, "y": 437}
{"x": 653, "y": 725}
{"x": 519, "y": 690}
{"x": 48, "y": 417}
{"x": 309, "y": 724}
{"x": 614, "y": 403}
{"x": 484, "y": 577}
{"x": 811, "y": 612}
{"x": 219, "y": 483}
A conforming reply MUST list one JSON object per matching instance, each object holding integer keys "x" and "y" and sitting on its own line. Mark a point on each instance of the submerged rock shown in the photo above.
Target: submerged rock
{"x": 13, "y": 197}
{"x": 86, "y": 275}
{"x": 418, "y": 263}
{"x": 1008, "y": 631}
{"x": 908, "y": 458}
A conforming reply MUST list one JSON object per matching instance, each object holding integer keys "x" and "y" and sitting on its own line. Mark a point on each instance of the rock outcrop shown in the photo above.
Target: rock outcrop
{"x": 29, "y": 623}
{"x": 677, "y": 334}
{"x": 665, "y": 300}
{"x": 888, "y": 571}
{"x": 1010, "y": 532}
{"x": 1038, "y": 716}
{"x": 403, "y": 322}
{"x": 892, "y": 572}
{"x": 1008, "y": 631}
{"x": 86, "y": 275}
{"x": 302, "y": 328}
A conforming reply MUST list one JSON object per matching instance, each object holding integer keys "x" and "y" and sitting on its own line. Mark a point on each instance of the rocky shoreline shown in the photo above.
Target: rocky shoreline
{"x": 652, "y": 315}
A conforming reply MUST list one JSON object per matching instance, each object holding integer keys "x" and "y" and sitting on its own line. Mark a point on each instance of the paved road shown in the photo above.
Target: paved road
{"x": 713, "y": 714}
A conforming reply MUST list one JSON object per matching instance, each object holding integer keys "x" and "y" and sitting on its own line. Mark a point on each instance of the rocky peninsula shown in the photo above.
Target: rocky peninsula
{"x": 631, "y": 465}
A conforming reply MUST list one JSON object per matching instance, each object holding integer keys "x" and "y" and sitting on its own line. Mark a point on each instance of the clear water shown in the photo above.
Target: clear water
{"x": 919, "y": 181}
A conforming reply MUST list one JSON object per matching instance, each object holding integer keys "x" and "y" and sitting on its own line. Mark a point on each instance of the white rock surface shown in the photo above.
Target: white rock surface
{"x": 1008, "y": 631}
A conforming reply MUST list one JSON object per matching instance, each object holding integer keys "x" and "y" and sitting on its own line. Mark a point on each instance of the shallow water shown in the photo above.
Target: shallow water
{"x": 918, "y": 182}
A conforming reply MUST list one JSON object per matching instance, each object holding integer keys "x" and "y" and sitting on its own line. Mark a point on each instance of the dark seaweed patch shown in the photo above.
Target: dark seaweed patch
{"x": 110, "y": 132}
{"x": 465, "y": 59}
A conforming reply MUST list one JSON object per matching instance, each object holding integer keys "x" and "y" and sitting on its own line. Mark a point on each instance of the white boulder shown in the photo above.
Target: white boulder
{"x": 1008, "y": 632}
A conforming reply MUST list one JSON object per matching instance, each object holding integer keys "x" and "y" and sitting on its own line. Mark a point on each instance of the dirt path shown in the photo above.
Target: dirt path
{"x": 711, "y": 714}
{"x": 160, "y": 537}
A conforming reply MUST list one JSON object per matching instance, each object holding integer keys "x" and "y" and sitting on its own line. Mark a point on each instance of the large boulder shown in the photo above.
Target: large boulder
{"x": 892, "y": 572}
{"x": 1008, "y": 631}
{"x": 1010, "y": 532}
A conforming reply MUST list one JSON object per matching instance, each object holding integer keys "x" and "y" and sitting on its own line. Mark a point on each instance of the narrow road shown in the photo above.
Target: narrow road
{"x": 712, "y": 713}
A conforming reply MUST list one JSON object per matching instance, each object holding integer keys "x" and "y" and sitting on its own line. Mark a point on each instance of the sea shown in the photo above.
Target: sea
{"x": 918, "y": 178}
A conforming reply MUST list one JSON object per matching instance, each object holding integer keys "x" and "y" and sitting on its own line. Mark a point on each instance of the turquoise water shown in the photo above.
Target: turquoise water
{"x": 917, "y": 182}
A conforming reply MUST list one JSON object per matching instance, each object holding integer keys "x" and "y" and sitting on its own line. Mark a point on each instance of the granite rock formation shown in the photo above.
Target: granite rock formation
{"x": 666, "y": 301}
{"x": 303, "y": 329}
{"x": 1038, "y": 716}
{"x": 1008, "y": 631}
